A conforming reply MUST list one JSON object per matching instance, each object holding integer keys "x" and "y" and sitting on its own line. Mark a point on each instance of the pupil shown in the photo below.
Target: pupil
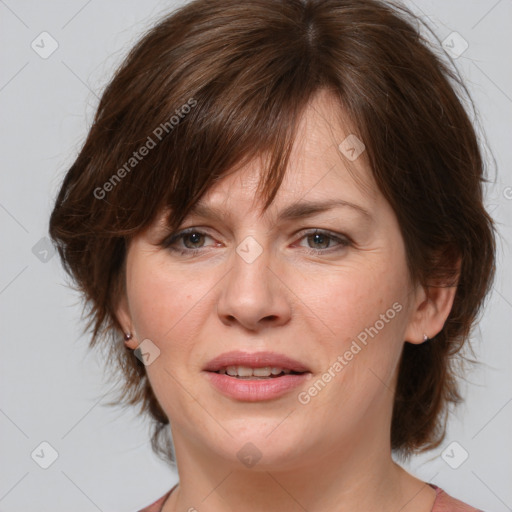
{"x": 318, "y": 237}
{"x": 194, "y": 237}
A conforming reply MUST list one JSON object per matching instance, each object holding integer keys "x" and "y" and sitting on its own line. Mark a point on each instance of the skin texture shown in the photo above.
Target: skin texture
{"x": 334, "y": 452}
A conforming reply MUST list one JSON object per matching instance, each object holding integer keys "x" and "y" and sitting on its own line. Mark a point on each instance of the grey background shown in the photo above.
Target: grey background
{"x": 52, "y": 387}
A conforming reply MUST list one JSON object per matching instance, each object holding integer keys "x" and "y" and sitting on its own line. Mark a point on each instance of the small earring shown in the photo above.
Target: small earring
{"x": 128, "y": 336}
{"x": 425, "y": 337}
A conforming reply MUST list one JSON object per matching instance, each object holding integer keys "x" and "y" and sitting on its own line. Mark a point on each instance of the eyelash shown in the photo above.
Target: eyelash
{"x": 179, "y": 235}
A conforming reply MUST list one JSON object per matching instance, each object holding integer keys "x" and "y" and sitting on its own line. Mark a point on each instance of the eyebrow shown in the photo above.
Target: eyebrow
{"x": 307, "y": 208}
{"x": 297, "y": 210}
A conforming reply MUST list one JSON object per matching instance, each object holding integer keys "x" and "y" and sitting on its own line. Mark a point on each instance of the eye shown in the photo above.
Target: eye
{"x": 193, "y": 239}
{"x": 322, "y": 241}
{"x": 189, "y": 241}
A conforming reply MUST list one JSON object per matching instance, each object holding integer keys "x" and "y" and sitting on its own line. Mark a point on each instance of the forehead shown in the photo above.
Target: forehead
{"x": 318, "y": 171}
{"x": 320, "y": 167}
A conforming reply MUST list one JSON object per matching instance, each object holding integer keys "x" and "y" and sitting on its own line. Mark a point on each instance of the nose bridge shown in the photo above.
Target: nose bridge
{"x": 251, "y": 294}
{"x": 250, "y": 272}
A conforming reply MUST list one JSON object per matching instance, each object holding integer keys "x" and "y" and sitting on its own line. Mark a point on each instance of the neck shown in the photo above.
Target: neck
{"x": 357, "y": 477}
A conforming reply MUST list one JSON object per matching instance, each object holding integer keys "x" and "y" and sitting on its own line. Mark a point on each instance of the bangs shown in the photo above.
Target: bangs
{"x": 232, "y": 105}
{"x": 229, "y": 127}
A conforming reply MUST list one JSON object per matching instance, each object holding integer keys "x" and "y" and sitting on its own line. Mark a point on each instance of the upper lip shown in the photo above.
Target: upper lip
{"x": 254, "y": 360}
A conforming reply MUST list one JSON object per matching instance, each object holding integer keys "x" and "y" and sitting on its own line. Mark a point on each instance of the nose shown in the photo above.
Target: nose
{"x": 254, "y": 294}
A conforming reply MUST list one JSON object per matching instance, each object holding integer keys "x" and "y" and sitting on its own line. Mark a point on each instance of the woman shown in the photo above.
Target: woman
{"x": 279, "y": 207}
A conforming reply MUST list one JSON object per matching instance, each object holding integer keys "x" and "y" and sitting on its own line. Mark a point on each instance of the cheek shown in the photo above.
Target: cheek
{"x": 163, "y": 302}
{"x": 349, "y": 300}
{"x": 363, "y": 312}
{"x": 367, "y": 316}
{"x": 166, "y": 308}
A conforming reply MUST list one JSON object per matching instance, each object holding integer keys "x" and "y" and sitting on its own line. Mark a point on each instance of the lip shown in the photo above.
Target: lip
{"x": 254, "y": 360}
{"x": 255, "y": 390}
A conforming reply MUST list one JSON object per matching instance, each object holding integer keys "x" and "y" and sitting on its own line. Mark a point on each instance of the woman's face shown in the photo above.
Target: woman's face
{"x": 338, "y": 302}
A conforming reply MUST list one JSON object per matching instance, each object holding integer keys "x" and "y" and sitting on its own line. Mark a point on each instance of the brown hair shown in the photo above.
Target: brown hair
{"x": 219, "y": 82}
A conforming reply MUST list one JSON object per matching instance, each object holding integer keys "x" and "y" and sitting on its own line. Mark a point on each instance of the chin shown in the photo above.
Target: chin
{"x": 261, "y": 448}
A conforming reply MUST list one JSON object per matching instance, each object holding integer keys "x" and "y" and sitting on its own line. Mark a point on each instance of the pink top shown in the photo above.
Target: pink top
{"x": 443, "y": 503}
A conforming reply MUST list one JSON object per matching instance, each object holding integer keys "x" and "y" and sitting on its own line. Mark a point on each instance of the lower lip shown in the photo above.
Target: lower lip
{"x": 258, "y": 389}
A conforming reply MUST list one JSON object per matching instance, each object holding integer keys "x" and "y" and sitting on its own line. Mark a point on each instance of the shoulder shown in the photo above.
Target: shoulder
{"x": 446, "y": 503}
{"x": 443, "y": 503}
{"x": 158, "y": 504}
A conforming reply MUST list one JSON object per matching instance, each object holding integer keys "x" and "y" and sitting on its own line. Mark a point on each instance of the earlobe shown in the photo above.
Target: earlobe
{"x": 124, "y": 319}
{"x": 432, "y": 309}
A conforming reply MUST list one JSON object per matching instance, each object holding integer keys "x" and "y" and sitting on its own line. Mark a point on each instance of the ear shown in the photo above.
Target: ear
{"x": 431, "y": 309}
{"x": 125, "y": 321}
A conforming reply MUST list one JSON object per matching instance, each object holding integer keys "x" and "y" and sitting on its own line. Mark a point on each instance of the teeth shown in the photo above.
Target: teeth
{"x": 261, "y": 372}
{"x": 232, "y": 370}
{"x": 245, "y": 371}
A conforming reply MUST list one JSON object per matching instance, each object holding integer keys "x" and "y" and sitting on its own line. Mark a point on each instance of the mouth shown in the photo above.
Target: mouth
{"x": 246, "y": 365}
{"x": 255, "y": 377}
{"x": 264, "y": 372}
